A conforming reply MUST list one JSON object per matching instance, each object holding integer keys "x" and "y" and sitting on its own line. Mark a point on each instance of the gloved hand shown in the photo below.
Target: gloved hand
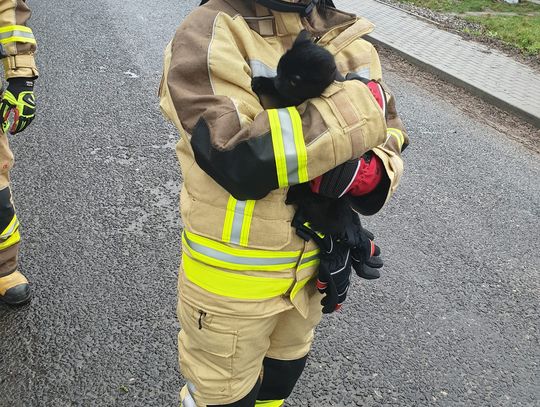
{"x": 18, "y": 105}
{"x": 334, "y": 275}
{"x": 365, "y": 256}
{"x": 354, "y": 177}
{"x": 335, "y": 264}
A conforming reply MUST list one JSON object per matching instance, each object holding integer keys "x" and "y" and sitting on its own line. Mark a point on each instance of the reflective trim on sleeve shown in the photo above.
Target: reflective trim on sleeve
{"x": 233, "y": 285}
{"x": 220, "y": 255}
{"x": 364, "y": 72}
{"x": 238, "y": 221}
{"x": 259, "y": 68}
{"x": 398, "y": 134}
{"x": 289, "y": 146}
{"x": 16, "y": 33}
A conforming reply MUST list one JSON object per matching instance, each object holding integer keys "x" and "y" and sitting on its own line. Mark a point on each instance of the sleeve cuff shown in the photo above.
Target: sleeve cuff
{"x": 20, "y": 66}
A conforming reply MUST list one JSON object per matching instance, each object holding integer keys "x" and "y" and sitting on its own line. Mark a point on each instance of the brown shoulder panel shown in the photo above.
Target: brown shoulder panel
{"x": 189, "y": 77}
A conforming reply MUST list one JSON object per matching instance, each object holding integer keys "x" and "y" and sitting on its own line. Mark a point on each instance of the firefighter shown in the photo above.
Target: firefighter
{"x": 248, "y": 301}
{"x": 17, "y": 110}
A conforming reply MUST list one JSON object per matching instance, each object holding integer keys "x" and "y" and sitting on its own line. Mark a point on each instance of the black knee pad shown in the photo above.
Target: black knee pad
{"x": 6, "y": 208}
{"x": 247, "y": 401}
{"x": 279, "y": 378}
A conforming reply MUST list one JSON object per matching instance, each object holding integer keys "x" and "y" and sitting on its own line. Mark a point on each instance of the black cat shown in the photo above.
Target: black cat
{"x": 304, "y": 72}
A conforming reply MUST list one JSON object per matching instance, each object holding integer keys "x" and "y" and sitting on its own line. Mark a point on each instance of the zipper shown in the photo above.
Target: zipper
{"x": 287, "y": 293}
{"x": 202, "y": 314}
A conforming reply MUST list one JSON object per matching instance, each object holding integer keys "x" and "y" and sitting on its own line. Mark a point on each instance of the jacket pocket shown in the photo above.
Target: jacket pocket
{"x": 263, "y": 224}
{"x": 206, "y": 353}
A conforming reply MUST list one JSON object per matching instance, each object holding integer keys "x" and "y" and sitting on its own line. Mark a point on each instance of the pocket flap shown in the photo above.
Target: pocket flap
{"x": 222, "y": 344}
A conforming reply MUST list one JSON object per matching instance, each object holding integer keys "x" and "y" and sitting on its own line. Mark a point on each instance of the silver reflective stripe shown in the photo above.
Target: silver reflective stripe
{"x": 344, "y": 265}
{"x": 191, "y": 387}
{"x": 259, "y": 68}
{"x": 308, "y": 259}
{"x": 238, "y": 221}
{"x": 364, "y": 73}
{"x": 291, "y": 156}
{"x": 188, "y": 400}
{"x": 16, "y": 33}
{"x": 229, "y": 258}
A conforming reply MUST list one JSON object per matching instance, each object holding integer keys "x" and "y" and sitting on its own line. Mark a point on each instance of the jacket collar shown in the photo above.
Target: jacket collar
{"x": 269, "y": 23}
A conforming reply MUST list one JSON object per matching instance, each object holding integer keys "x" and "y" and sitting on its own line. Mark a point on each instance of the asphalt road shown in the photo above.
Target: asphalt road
{"x": 454, "y": 320}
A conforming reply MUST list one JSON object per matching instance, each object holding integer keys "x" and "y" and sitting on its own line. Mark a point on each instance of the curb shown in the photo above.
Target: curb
{"x": 441, "y": 73}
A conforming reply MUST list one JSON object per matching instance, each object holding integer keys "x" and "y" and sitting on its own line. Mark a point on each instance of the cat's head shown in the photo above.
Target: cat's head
{"x": 305, "y": 70}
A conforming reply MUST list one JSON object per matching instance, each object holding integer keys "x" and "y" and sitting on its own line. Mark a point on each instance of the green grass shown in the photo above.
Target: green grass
{"x": 521, "y": 31}
{"x": 456, "y": 6}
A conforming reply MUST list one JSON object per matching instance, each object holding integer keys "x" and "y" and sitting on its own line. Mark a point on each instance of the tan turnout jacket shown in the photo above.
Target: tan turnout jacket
{"x": 17, "y": 42}
{"x": 238, "y": 157}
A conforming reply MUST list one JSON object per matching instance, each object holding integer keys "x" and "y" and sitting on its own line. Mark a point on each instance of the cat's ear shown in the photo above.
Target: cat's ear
{"x": 303, "y": 37}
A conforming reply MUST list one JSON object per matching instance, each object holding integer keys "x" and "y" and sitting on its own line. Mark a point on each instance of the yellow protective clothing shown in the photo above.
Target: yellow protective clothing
{"x": 17, "y": 42}
{"x": 17, "y": 47}
{"x": 238, "y": 155}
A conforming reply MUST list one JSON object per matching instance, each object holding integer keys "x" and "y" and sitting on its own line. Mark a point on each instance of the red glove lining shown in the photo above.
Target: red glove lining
{"x": 367, "y": 178}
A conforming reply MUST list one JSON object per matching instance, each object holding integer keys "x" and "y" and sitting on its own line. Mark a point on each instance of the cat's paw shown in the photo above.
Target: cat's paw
{"x": 257, "y": 84}
{"x": 260, "y": 84}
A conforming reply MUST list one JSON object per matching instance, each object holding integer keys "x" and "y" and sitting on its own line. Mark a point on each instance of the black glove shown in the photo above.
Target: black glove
{"x": 335, "y": 264}
{"x": 365, "y": 255}
{"x": 334, "y": 275}
{"x": 18, "y": 105}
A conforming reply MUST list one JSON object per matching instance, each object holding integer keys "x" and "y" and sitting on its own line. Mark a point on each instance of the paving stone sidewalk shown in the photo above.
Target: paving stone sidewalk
{"x": 482, "y": 70}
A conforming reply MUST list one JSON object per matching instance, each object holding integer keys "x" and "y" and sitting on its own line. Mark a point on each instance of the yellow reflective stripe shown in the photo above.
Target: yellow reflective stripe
{"x": 253, "y": 253}
{"x": 269, "y": 403}
{"x": 398, "y": 134}
{"x": 229, "y": 217}
{"x": 301, "y": 151}
{"x": 16, "y": 33}
{"x": 230, "y": 261}
{"x": 18, "y": 39}
{"x": 8, "y": 28}
{"x": 309, "y": 259}
{"x": 246, "y": 222}
{"x": 10, "y": 241}
{"x": 279, "y": 148}
{"x": 290, "y": 152}
{"x": 299, "y": 285}
{"x": 237, "y": 222}
{"x": 312, "y": 263}
{"x": 233, "y": 285}
{"x": 10, "y": 228}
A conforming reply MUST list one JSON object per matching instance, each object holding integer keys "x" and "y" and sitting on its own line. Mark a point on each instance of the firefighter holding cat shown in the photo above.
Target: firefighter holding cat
{"x": 17, "y": 109}
{"x": 248, "y": 303}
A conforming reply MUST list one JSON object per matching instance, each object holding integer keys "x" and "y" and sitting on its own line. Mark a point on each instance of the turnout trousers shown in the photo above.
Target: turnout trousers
{"x": 9, "y": 224}
{"x": 236, "y": 361}
{"x": 14, "y": 288}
